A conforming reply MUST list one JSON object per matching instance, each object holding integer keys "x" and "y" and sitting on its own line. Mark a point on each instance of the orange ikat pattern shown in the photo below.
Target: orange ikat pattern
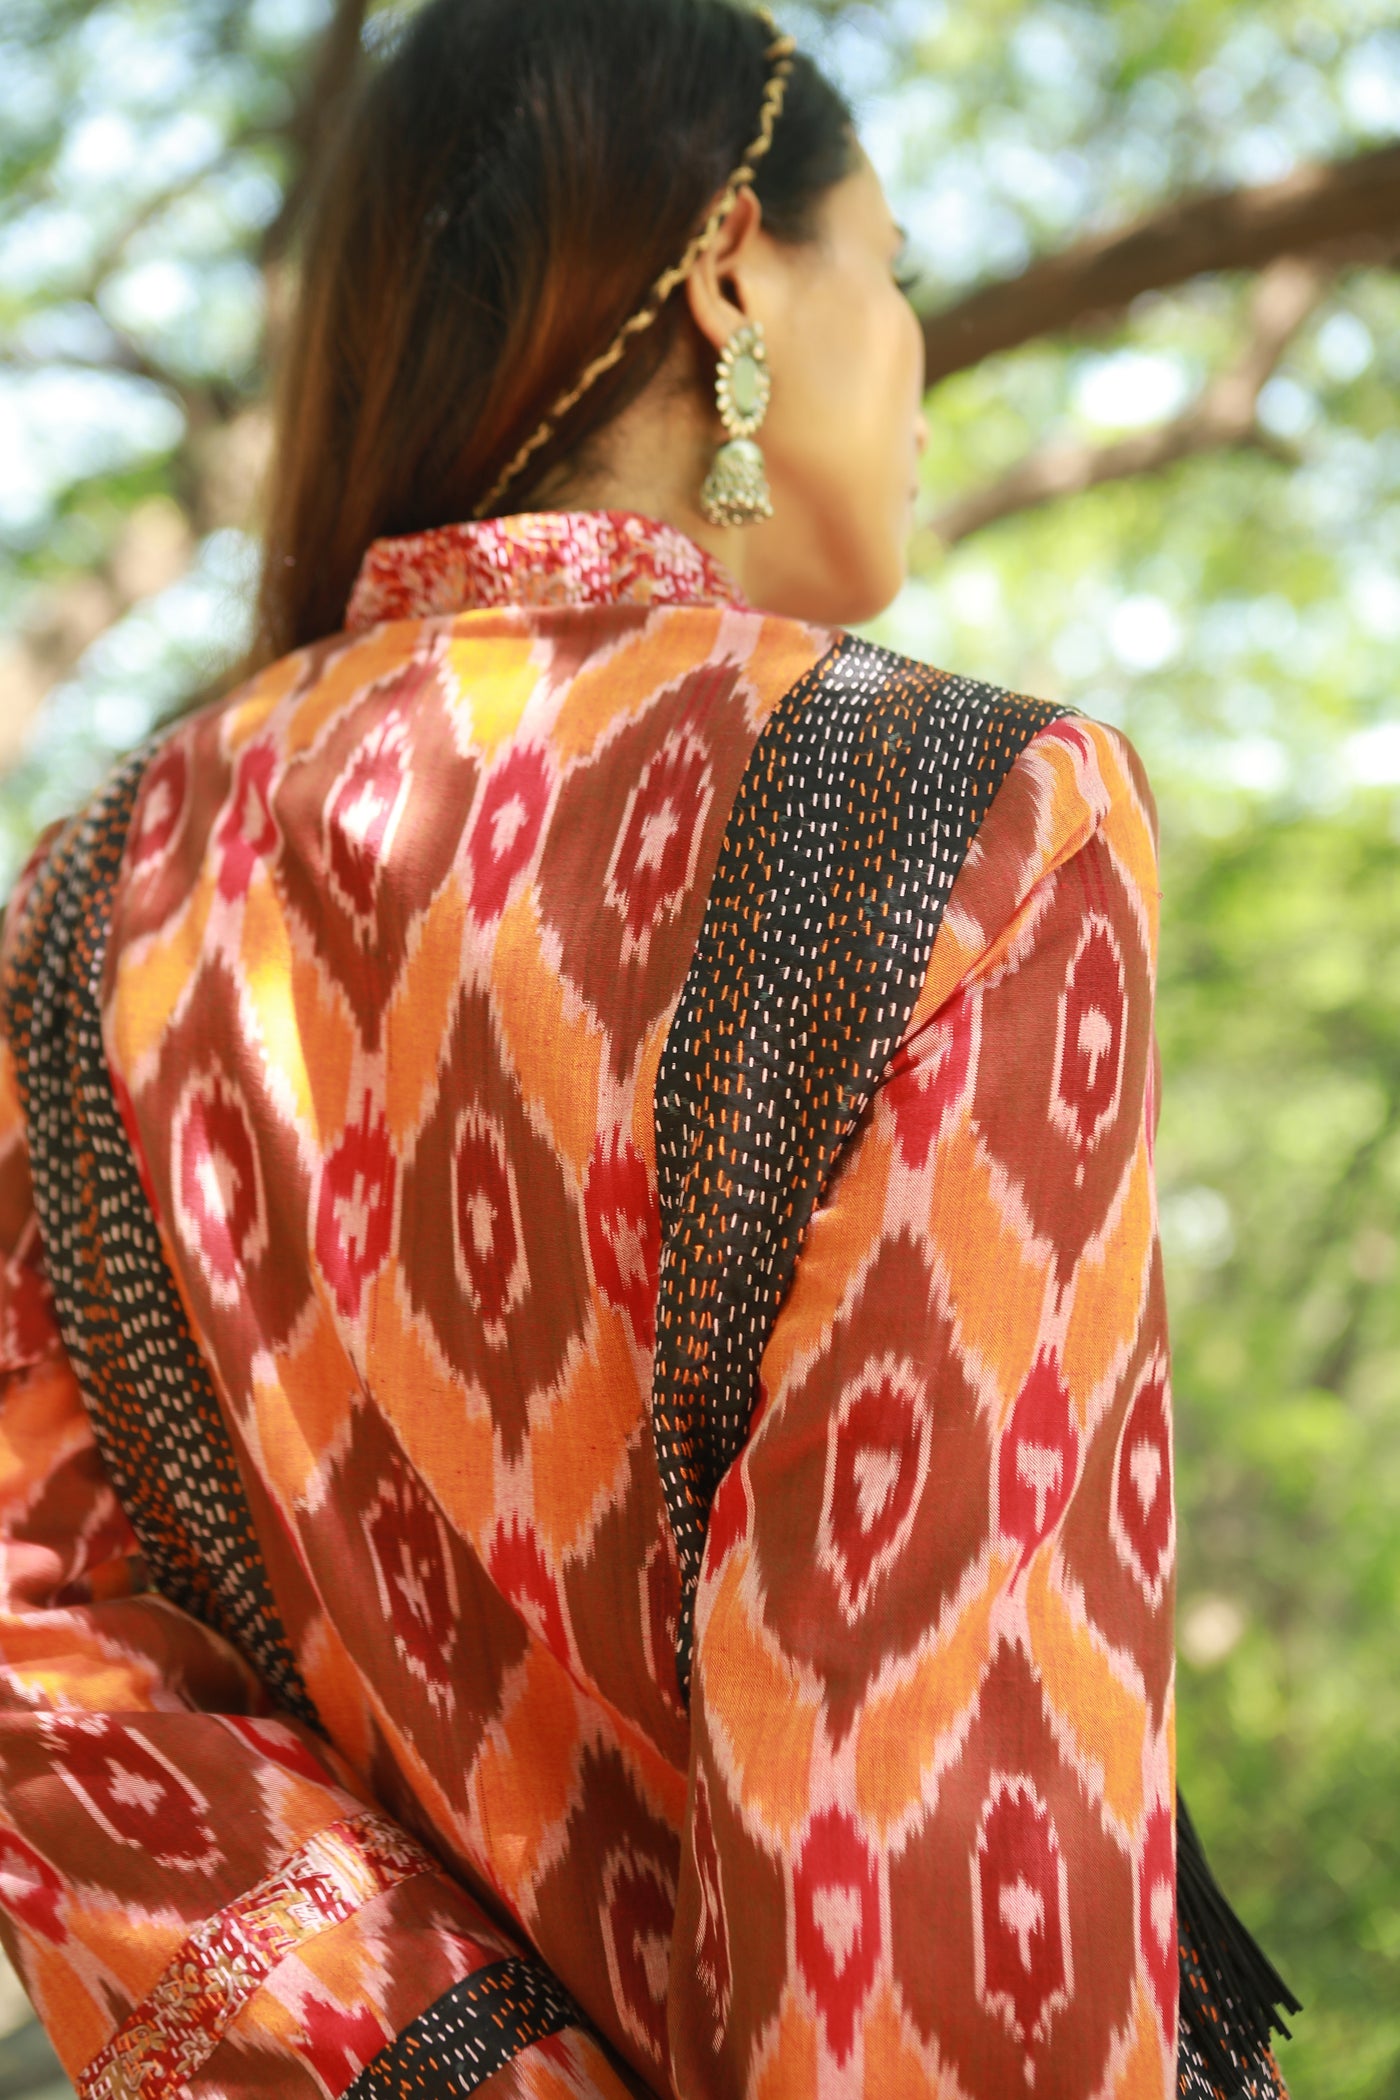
{"x": 399, "y": 935}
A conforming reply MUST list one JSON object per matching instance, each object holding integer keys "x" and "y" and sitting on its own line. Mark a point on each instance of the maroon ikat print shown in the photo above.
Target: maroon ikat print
{"x": 26, "y": 1316}
{"x": 1119, "y": 1554}
{"x": 373, "y": 809}
{"x": 1037, "y": 1894}
{"x": 399, "y": 941}
{"x": 836, "y": 1924}
{"x": 337, "y": 2041}
{"x": 1082, "y": 1065}
{"x": 926, "y": 1095}
{"x": 32, "y": 1889}
{"x": 160, "y": 810}
{"x": 634, "y": 828}
{"x": 1091, "y": 1040}
{"x": 506, "y": 828}
{"x": 231, "y": 1181}
{"x": 412, "y": 1560}
{"x": 1157, "y": 1922}
{"x": 1039, "y": 1458}
{"x": 624, "y": 1237}
{"x": 135, "y": 1796}
{"x": 220, "y": 1204}
{"x": 355, "y": 1208}
{"x": 247, "y": 834}
{"x": 1142, "y": 1521}
{"x": 1021, "y": 1912}
{"x": 660, "y": 1585}
{"x": 435, "y": 1633}
{"x": 639, "y": 1905}
{"x": 489, "y": 1219}
{"x": 876, "y": 1472}
{"x": 712, "y": 1937}
{"x": 887, "y": 1483}
{"x": 361, "y": 817}
{"x": 653, "y": 860}
{"x": 488, "y": 1241}
{"x": 521, "y": 1573}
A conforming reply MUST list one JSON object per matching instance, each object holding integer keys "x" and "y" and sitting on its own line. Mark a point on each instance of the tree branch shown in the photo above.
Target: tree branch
{"x": 112, "y": 253}
{"x": 1224, "y": 414}
{"x": 1213, "y": 230}
{"x": 203, "y": 405}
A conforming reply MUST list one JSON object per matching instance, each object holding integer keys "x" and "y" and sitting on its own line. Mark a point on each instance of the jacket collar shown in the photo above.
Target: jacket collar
{"x": 539, "y": 558}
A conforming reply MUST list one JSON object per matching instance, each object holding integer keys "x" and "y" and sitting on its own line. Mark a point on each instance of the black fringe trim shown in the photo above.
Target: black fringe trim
{"x": 1232, "y": 1996}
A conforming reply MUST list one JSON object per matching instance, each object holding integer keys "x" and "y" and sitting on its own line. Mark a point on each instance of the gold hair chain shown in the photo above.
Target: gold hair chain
{"x": 780, "y": 55}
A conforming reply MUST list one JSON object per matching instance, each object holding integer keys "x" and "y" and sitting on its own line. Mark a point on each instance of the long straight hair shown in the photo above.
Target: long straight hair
{"x": 512, "y": 177}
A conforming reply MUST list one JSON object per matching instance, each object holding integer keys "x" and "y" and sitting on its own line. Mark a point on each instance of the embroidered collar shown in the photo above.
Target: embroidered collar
{"x": 595, "y": 557}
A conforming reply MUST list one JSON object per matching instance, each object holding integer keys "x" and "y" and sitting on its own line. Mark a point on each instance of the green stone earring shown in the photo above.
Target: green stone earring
{"x": 736, "y": 487}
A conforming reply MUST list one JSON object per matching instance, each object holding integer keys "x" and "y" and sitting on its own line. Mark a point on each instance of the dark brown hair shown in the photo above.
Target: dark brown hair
{"x": 512, "y": 178}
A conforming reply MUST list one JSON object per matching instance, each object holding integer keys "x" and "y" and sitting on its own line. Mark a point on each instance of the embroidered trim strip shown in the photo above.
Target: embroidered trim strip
{"x": 178, "y": 2026}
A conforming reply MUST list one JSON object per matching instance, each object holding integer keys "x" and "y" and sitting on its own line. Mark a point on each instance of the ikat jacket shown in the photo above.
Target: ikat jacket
{"x": 397, "y": 936}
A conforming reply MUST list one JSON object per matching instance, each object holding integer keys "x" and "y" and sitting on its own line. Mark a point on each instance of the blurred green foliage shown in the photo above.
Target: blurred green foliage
{"x": 1280, "y": 1149}
{"x": 1238, "y": 614}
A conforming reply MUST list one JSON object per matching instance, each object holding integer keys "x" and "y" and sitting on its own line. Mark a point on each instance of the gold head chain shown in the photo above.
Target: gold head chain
{"x": 780, "y": 55}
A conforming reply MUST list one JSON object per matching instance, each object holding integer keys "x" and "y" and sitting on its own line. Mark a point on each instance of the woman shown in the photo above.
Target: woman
{"x": 587, "y": 1470}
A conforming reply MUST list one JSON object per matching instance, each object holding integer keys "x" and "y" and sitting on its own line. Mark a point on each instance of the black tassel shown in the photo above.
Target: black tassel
{"x": 1232, "y": 1996}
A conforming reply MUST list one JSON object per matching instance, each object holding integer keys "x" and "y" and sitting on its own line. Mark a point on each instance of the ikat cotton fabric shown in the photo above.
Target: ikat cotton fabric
{"x": 397, "y": 938}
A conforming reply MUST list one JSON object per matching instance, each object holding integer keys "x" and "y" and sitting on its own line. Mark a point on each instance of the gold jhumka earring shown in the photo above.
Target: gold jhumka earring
{"x": 736, "y": 489}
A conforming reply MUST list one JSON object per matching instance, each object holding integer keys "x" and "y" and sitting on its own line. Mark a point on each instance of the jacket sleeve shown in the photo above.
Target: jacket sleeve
{"x": 929, "y": 1845}
{"x": 198, "y": 1897}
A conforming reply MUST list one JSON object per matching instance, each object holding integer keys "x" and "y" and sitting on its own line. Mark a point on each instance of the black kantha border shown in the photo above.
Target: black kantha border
{"x": 472, "y": 2031}
{"x": 145, "y": 1383}
{"x": 855, "y": 813}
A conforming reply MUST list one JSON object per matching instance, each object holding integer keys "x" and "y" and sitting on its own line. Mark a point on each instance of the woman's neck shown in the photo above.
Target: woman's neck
{"x": 653, "y": 460}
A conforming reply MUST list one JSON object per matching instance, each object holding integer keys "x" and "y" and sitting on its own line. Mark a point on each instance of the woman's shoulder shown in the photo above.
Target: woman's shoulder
{"x": 1070, "y": 791}
{"x": 1056, "y": 774}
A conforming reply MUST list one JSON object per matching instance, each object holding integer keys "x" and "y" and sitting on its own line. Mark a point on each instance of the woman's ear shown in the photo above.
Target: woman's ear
{"x": 717, "y": 286}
